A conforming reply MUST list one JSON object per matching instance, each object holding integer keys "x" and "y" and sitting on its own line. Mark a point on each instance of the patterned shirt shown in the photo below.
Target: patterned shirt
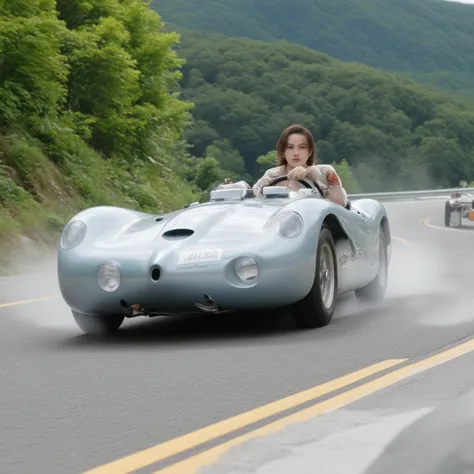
{"x": 324, "y": 175}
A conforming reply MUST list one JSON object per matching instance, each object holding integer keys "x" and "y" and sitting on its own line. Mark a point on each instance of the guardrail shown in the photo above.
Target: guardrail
{"x": 408, "y": 195}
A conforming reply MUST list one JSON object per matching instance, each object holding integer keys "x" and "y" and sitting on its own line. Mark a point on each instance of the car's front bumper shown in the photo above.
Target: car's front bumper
{"x": 282, "y": 280}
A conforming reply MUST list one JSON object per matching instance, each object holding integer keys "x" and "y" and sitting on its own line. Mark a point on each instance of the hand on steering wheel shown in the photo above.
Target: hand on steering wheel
{"x": 304, "y": 183}
{"x": 285, "y": 178}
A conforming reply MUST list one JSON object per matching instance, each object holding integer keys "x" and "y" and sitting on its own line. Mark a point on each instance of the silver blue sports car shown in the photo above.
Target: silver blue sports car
{"x": 239, "y": 251}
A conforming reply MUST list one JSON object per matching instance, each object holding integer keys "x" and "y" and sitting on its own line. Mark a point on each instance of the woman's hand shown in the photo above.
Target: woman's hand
{"x": 300, "y": 172}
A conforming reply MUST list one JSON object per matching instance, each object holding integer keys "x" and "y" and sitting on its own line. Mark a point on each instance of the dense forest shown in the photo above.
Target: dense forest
{"x": 429, "y": 40}
{"x": 395, "y": 133}
{"x": 102, "y": 103}
{"x": 88, "y": 114}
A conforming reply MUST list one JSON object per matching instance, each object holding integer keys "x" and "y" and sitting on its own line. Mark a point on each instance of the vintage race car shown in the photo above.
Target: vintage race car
{"x": 238, "y": 251}
{"x": 457, "y": 207}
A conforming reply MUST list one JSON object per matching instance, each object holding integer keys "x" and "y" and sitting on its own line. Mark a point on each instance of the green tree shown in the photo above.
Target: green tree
{"x": 208, "y": 173}
{"x": 347, "y": 177}
{"x": 122, "y": 71}
{"x": 32, "y": 68}
{"x": 228, "y": 158}
{"x": 267, "y": 161}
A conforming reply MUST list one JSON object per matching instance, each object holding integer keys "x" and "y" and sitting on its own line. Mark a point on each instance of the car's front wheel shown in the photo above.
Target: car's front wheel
{"x": 317, "y": 307}
{"x": 97, "y": 323}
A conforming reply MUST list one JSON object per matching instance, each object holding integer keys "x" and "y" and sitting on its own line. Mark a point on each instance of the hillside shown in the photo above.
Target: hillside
{"x": 88, "y": 115}
{"x": 431, "y": 40}
{"x": 100, "y": 103}
{"x": 395, "y": 133}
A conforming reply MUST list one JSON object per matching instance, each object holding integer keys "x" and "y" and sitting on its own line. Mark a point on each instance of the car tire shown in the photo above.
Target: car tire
{"x": 312, "y": 311}
{"x": 376, "y": 289}
{"x": 447, "y": 215}
{"x": 98, "y": 324}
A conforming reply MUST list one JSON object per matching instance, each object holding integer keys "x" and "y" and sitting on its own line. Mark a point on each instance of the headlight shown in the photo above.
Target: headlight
{"x": 73, "y": 234}
{"x": 291, "y": 225}
{"x": 246, "y": 268}
{"x": 108, "y": 276}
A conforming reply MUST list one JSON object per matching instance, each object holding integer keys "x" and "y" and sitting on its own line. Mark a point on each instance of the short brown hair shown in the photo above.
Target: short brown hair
{"x": 283, "y": 143}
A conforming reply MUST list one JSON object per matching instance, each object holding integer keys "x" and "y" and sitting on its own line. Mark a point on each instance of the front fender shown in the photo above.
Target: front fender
{"x": 102, "y": 222}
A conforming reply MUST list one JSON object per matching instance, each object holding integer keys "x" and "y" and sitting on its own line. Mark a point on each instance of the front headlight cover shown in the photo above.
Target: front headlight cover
{"x": 73, "y": 234}
{"x": 109, "y": 277}
{"x": 290, "y": 225}
{"x": 246, "y": 269}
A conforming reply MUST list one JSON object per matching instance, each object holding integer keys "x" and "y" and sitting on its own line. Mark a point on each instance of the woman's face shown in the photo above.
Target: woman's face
{"x": 297, "y": 151}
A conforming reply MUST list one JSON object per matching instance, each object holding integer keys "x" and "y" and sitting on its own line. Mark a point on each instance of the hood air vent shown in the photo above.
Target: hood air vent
{"x": 178, "y": 234}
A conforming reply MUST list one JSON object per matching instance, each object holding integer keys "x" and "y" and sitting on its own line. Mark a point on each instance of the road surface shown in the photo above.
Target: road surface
{"x": 73, "y": 404}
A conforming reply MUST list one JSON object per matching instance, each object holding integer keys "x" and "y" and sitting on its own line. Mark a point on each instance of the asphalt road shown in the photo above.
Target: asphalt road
{"x": 71, "y": 403}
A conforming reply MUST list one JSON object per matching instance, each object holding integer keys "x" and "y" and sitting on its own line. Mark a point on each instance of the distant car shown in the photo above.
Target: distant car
{"x": 236, "y": 252}
{"x": 457, "y": 207}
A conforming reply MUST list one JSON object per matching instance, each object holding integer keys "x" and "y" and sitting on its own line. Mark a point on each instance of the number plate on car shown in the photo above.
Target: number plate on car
{"x": 199, "y": 256}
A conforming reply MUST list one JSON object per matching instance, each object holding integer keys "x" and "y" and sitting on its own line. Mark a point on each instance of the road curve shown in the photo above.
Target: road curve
{"x": 72, "y": 403}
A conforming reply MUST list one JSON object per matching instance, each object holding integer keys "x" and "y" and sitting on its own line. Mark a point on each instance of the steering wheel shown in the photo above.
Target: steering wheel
{"x": 304, "y": 183}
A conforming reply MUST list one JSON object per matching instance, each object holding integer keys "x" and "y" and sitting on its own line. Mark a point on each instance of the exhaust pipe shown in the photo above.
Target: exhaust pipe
{"x": 211, "y": 307}
{"x": 133, "y": 310}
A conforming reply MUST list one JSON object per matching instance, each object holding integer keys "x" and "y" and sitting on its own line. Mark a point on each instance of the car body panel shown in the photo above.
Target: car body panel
{"x": 215, "y": 234}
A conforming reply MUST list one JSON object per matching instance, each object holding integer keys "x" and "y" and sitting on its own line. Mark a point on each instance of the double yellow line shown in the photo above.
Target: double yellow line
{"x": 191, "y": 464}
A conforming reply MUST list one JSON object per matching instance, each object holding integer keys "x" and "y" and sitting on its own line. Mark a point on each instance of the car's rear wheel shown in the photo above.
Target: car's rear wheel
{"x": 97, "y": 323}
{"x": 447, "y": 214}
{"x": 317, "y": 307}
{"x": 377, "y": 288}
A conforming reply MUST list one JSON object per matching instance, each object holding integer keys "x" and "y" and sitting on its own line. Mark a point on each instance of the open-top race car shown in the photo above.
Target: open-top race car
{"x": 457, "y": 207}
{"x": 239, "y": 251}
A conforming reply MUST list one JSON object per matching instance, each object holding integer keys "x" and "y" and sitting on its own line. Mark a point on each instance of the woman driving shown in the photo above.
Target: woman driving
{"x": 296, "y": 157}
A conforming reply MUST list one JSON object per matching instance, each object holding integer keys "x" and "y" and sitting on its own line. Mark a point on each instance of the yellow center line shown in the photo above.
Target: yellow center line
{"x": 177, "y": 445}
{"x": 426, "y": 221}
{"x": 192, "y": 464}
{"x": 33, "y": 300}
{"x": 400, "y": 239}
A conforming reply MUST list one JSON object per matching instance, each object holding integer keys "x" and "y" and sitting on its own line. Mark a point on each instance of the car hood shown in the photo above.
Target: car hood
{"x": 222, "y": 222}
{"x": 209, "y": 224}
